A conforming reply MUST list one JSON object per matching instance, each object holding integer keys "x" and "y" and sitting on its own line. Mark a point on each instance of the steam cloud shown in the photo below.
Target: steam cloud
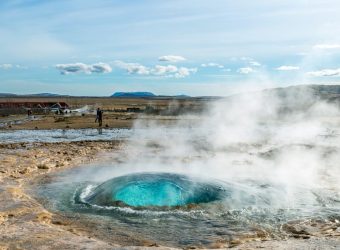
{"x": 287, "y": 139}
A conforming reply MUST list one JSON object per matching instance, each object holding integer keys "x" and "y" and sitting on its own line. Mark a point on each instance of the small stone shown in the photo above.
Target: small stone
{"x": 25, "y": 171}
{"x": 43, "y": 166}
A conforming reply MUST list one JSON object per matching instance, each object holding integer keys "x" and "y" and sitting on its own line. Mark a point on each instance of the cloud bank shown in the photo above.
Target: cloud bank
{"x": 162, "y": 70}
{"x": 251, "y": 61}
{"x": 157, "y": 70}
{"x": 212, "y": 64}
{"x": 325, "y": 72}
{"x": 287, "y": 68}
{"x": 246, "y": 70}
{"x": 171, "y": 58}
{"x": 133, "y": 68}
{"x": 6, "y": 66}
{"x": 74, "y": 68}
{"x": 326, "y": 46}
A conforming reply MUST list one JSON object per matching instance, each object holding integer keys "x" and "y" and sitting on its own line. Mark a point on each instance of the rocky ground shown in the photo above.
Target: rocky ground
{"x": 26, "y": 224}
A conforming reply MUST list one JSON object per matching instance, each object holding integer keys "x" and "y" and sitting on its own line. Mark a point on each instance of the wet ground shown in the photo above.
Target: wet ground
{"x": 63, "y": 135}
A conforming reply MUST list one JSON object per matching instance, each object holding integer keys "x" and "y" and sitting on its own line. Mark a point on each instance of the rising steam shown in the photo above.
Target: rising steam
{"x": 287, "y": 140}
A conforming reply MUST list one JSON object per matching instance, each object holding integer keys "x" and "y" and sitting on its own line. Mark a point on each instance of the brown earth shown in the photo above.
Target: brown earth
{"x": 108, "y": 103}
{"x": 110, "y": 120}
{"x": 115, "y": 112}
{"x": 68, "y": 122}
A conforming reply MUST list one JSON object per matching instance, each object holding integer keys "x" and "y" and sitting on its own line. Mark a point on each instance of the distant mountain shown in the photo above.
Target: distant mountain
{"x": 133, "y": 94}
{"x": 182, "y": 96}
{"x": 30, "y": 95}
{"x": 45, "y": 95}
{"x": 7, "y": 95}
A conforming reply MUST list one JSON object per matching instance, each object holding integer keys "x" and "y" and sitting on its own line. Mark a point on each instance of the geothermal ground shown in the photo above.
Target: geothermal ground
{"x": 218, "y": 180}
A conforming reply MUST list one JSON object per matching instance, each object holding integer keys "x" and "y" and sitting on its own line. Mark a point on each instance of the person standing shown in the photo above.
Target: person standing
{"x": 97, "y": 116}
{"x": 100, "y": 118}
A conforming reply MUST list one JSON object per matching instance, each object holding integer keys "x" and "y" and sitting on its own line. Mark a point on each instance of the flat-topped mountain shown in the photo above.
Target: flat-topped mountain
{"x": 133, "y": 94}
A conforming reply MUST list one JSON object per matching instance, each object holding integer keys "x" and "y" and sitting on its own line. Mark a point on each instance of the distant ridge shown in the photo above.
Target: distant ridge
{"x": 30, "y": 95}
{"x": 133, "y": 94}
{"x": 46, "y": 95}
{"x": 145, "y": 95}
{"x": 322, "y": 91}
{"x": 7, "y": 95}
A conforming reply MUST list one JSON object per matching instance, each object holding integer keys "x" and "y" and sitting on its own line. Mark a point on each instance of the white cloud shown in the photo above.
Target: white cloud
{"x": 157, "y": 70}
{"x": 101, "y": 68}
{"x": 83, "y": 68}
{"x": 161, "y": 70}
{"x": 133, "y": 68}
{"x": 184, "y": 72}
{"x": 325, "y": 72}
{"x": 212, "y": 64}
{"x": 287, "y": 68}
{"x": 255, "y": 63}
{"x": 246, "y": 70}
{"x": 6, "y": 66}
{"x": 251, "y": 61}
{"x": 171, "y": 58}
{"x": 18, "y": 66}
{"x": 326, "y": 46}
{"x": 10, "y": 66}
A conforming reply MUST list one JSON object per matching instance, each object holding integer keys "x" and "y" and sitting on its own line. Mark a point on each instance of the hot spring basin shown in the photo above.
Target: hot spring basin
{"x": 154, "y": 189}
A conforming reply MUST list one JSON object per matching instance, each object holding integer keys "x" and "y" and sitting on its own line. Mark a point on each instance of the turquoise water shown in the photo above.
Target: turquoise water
{"x": 155, "y": 190}
{"x": 155, "y": 206}
{"x": 151, "y": 193}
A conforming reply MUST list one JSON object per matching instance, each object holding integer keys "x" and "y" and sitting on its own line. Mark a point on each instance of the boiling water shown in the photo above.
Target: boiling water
{"x": 154, "y": 190}
{"x": 187, "y": 185}
{"x": 182, "y": 210}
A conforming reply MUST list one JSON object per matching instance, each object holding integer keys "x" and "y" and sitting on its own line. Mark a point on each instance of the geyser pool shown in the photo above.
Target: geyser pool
{"x": 158, "y": 207}
{"x": 154, "y": 189}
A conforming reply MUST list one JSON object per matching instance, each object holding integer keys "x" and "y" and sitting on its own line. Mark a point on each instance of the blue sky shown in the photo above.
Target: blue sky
{"x": 193, "y": 47}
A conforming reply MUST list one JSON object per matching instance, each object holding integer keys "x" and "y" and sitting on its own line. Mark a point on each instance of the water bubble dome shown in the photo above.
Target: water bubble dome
{"x": 154, "y": 189}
